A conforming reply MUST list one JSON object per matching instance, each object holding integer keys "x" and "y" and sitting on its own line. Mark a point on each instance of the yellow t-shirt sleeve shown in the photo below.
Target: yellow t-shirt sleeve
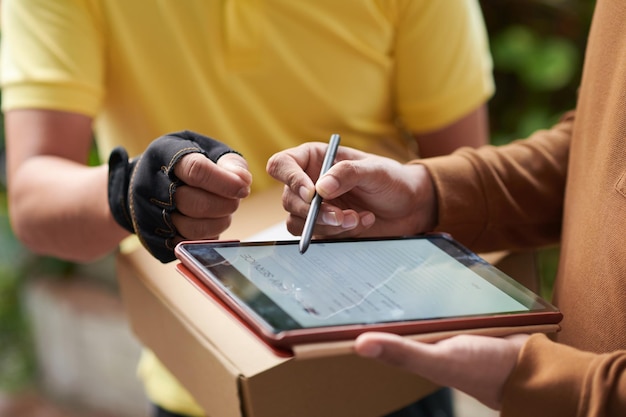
{"x": 64, "y": 75}
{"x": 444, "y": 45}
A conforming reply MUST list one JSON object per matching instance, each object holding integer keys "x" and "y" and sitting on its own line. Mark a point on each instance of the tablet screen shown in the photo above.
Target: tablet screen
{"x": 358, "y": 282}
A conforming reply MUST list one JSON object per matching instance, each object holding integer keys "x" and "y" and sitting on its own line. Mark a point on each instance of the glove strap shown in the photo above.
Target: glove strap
{"x": 120, "y": 171}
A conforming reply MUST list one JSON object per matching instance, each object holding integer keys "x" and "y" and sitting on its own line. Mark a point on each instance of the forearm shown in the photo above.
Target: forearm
{"x": 471, "y": 130}
{"x": 64, "y": 213}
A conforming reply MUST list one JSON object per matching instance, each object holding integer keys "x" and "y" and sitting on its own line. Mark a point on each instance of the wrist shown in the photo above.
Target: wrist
{"x": 425, "y": 195}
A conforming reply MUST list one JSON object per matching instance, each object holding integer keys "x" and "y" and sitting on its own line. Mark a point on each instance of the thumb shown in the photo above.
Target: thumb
{"x": 371, "y": 175}
{"x": 395, "y": 350}
{"x": 340, "y": 178}
{"x": 236, "y": 164}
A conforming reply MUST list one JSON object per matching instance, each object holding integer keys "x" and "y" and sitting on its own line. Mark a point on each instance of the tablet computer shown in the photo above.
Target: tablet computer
{"x": 339, "y": 289}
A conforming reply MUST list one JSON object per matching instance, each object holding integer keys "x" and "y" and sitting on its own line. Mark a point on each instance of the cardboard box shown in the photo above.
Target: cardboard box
{"x": 229, "y": 371}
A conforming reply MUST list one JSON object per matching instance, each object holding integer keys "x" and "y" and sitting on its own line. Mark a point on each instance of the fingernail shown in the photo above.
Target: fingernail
{"x": 235, "y": 165}
{"x": 371, "y": 350}
{"x": 350, "y": 222}
{"x": 330, "y": 218}
{"x": 244, "y": 192}
{"x": 305, "y": 194}
{"x": 368, "y": 219}
{"x": 328, "y": 184}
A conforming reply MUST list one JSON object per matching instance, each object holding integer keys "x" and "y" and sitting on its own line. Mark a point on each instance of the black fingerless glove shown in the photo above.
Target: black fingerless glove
{"x": 141, "y": 191}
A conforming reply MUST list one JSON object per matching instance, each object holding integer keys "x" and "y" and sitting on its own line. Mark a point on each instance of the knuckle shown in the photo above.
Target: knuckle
{"x": 350, "y": 169}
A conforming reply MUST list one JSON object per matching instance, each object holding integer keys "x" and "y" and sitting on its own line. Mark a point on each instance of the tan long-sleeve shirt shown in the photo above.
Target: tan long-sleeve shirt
{"x": 565, "y": 184}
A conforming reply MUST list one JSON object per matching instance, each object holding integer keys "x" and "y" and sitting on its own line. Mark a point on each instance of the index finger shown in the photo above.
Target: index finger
{"x": 298, "y": 167}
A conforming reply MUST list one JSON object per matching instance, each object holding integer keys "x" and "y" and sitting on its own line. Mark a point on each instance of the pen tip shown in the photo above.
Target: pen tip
{"x": 303, "y": 248}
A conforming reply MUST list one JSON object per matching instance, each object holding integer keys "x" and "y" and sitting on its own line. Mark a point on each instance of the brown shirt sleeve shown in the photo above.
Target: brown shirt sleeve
{"x": 553, "y": 379}
{"x": 506, "y": 197}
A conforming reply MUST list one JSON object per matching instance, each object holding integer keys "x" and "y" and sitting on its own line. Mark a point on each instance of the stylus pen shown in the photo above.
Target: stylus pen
{"x": 314, "y": 210}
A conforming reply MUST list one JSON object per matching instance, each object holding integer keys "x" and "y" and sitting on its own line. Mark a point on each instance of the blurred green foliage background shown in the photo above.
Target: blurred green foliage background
{"x": 537, "y": 47}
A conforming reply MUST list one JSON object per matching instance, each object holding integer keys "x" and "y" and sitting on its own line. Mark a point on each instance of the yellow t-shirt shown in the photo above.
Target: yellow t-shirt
{"x": 260, "y": 75}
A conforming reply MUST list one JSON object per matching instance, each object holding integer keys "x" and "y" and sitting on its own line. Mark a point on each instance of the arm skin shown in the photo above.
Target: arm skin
{"x": 470, "y": 130}
{"x": 58, "y": 204}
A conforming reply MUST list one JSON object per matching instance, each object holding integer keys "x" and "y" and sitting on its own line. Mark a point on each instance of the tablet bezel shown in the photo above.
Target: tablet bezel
{"x": 541, "y": 311}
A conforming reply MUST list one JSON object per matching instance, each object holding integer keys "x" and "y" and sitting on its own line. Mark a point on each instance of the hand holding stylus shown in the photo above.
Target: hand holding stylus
{"x": 364, "y": 194}
{"x": 316, "y": 203}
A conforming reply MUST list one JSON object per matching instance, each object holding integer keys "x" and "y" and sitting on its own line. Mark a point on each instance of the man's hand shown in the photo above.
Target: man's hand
{"x": 364, "y": 194}
{"x": 184, "y": 186}
{"x": 476, "y": 365}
